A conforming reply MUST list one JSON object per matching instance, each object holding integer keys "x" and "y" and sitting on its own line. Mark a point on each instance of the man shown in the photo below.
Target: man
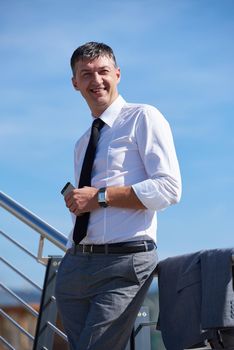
{"x": 106, "y": 272}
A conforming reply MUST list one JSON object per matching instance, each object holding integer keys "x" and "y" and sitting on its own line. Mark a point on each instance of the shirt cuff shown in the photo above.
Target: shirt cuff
{"x": 148, "y": 193}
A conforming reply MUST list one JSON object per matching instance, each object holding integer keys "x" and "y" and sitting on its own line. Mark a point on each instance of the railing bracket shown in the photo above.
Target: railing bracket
{"x": 40, "y": 258}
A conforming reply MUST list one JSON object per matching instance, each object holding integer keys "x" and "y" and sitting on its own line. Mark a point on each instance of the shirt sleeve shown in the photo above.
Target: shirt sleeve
{"x": 156, "y": 147}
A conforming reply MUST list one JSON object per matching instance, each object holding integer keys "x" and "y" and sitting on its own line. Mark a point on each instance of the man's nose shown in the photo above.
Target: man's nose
{"x": 97, "y": 78}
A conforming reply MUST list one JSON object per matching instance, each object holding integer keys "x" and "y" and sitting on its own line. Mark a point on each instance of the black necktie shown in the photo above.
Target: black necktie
{"x": 81, "y": 224}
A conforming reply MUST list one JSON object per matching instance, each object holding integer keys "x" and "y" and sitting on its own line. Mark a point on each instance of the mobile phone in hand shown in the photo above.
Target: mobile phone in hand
{"x": 67, "y": 188}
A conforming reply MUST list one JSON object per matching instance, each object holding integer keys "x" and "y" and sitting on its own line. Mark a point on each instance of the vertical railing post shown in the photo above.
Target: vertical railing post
{"x": 140, "y": 340}
{"x": 44, "y": 336}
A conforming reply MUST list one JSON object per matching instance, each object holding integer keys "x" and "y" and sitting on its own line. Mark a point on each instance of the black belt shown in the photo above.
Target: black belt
{"x": 114, "y": 248}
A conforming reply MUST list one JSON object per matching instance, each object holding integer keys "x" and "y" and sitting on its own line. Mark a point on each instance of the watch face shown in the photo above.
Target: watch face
{"x": 101, "y": 197}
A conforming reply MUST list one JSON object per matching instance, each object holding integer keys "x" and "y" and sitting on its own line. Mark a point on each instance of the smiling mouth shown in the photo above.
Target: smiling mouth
{"x": 98, "y": 90}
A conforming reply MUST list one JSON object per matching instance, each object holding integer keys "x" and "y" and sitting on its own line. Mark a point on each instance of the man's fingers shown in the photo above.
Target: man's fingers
{"x": 69, "y": 199}
{"x": 70, "y": 195}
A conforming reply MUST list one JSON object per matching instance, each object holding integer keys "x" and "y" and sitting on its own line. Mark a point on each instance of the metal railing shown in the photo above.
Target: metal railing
{"x": 56, "y": 238}
{"x": 33, "y": 221}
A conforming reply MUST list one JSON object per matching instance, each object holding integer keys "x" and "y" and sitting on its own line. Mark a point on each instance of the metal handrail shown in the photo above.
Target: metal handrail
{"x": 20, "y": 273}
{"x": 5, "y": 342}
{"x": 57, "y": 330}
{"x": 20, "y": 300}
{"x": 45, "y": 230}
{"x": 4, "y": 314}
{"x": 19, "y": 245}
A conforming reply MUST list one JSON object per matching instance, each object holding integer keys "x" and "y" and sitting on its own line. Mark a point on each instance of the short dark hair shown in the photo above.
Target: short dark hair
{"x": 91, "y": 50}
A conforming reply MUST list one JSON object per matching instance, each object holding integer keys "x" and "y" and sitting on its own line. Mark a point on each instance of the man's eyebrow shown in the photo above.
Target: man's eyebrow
{"x": 105, "y": 67}
{"x": 85, "y": 70}
{"x": 90, "y": 69}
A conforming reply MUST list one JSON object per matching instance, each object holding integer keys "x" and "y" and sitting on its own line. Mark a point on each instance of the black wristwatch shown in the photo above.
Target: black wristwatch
{"x": 102, "y": 197}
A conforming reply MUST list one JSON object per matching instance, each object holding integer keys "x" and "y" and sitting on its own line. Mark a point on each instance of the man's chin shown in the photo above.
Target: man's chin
{"x": 100, "y": 100}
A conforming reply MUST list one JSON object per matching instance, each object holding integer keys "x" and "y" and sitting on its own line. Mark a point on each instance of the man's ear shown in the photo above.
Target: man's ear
{"x": 118, "y": 75}
{"x": 75, "y": 84}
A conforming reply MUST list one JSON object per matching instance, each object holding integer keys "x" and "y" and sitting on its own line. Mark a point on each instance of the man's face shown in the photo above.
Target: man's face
{"x": 97, "y": 81}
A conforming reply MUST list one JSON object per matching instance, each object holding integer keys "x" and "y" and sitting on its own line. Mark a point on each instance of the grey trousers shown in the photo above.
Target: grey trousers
{"x": 99, "y": 296}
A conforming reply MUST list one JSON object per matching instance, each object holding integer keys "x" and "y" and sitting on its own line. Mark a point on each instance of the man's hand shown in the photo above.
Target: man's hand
{"x": 82, "y": 200}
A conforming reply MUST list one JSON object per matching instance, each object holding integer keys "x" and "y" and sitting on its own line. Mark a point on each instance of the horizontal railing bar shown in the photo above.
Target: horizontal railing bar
{"x": 9, "y": 346}
{"x": 33, "y": 221}
{"x": 26, "y": 305}
{"x": 145, "y": 324}
{"x": 10, "y": 319}
{"x": 19, "y": 245}
{"x": 57, "y": 331}
{"x": 20, "y": 273}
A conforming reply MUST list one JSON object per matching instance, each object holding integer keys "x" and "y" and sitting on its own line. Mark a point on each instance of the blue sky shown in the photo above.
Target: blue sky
{"x": 177, "y": 55}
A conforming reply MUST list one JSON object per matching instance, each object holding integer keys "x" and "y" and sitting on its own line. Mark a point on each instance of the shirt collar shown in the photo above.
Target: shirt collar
{"x": 112, "y": 112}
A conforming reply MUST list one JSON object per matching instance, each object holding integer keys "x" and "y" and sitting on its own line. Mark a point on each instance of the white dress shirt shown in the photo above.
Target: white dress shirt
{"x": 135, "y": 149}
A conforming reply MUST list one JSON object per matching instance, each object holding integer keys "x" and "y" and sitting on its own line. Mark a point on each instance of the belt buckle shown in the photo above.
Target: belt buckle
{"x": 146, "y": 246}
{"x": 87, "y": 248}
